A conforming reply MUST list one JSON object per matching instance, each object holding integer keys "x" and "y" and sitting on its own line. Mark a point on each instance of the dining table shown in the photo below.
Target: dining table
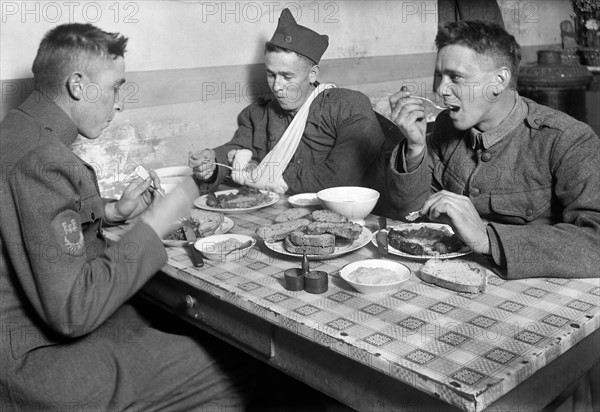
{"x": 514, "y": 347}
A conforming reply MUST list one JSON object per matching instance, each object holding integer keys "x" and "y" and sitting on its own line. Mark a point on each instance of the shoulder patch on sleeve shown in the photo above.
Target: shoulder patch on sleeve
{"x": 66, "y": 227}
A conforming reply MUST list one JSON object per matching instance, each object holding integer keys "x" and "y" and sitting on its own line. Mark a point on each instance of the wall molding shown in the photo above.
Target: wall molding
{"x": 245, "y": 82}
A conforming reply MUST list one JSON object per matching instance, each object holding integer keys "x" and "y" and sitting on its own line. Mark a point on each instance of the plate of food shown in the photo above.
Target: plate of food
{"x": 225, "y": 248}
{"x": 424, "y": 241}
{"x": 319, "y": 246}
{"x": 205, "y": 223}
{"x": 243, "y": 199}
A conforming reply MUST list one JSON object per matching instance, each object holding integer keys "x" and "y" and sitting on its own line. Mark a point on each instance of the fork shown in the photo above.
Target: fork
{"x": 220, "y": 164}
{"x": 423, "y": 98}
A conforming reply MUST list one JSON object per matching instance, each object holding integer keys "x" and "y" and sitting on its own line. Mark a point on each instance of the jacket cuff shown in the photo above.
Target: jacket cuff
{"x": 496, "y": 249}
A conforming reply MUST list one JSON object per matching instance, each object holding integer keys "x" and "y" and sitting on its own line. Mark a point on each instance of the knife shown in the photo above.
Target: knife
{"x": 382, "y": 242}
{"x": 190, "y": 237}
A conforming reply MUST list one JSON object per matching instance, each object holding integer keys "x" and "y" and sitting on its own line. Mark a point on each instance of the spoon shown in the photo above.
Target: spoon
{"x": 423, "y": 98}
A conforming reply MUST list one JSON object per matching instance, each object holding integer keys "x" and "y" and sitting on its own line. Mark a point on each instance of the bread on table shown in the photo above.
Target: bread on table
{"x": 311, "y": 231}
{"x": 293, "y": 214}
{"x": 348, "y": 230}
{"x": 458, "y": 275}
{"x": 302, "y": 239}
{"x": 323, "y": 215}
{"x": 280, "y": 231}
{"x": 310, "y": 250}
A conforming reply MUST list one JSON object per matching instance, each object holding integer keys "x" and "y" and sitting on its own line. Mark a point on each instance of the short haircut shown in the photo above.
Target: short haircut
{"x": 487, "y": 39}
{"x": 270, "y": 47}
{"x": 73, "y": 46}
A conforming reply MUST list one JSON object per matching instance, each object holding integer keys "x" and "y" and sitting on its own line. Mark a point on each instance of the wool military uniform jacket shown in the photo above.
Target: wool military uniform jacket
{"x": 60, "y": 277}
{"x": 535, "y": 178}
{"x": 341, "y": 141}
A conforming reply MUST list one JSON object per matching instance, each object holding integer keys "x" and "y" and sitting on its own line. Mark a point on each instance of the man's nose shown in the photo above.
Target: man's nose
{"x": 277, "y": 85}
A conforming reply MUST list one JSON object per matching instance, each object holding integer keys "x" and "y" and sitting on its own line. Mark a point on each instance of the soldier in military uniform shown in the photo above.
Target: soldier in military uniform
{"x": 70, "y": 340}
{"x": 339, "y": 137}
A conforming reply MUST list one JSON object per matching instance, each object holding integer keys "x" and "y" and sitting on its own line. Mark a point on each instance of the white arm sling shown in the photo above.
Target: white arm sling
{"x": 269, "y": 173}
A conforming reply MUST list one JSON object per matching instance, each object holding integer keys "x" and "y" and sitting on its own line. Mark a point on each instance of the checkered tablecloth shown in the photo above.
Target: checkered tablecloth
{"x": 468, "y": 349}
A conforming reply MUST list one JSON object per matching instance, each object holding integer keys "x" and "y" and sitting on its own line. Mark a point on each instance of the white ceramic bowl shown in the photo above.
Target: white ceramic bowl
{"x": 304, "y": 200}
{"x": 401, "y": 272}
{"x": 213, "y": 248}
{"x": 354, "y": 202}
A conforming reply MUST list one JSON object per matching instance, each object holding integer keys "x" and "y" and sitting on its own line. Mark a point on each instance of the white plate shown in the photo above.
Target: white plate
{"x": 225, "y": 227}
{"x": 304, "y": 200}
{"x": 409, "y": 226}
{"x": 362, "y": 240}
{"x": 201, "y": 202}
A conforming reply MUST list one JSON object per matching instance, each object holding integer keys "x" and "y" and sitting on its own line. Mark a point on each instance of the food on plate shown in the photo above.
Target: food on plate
{"x": 226, "y": 245}
{"x": 457, "y": 275}
{"x": 243, "y": 198}
{"x": 425, "y": 240}
{"x": 316, "y": 232}
{"x": 374, "y": 276}
{"x": 280, "y": 231}
{"x": 347, "y": 230}
{"x": 204, "y": 223}
{"x": 302, "y": 239}
{"x": 292, "y": 214}
{"x": 299, "y": 242}
{"x": 323, "y": 215}
{"x": 310, "y": 249}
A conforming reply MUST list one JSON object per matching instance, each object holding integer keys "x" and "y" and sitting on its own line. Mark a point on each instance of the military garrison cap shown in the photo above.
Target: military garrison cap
{"x": 302, "y": 40}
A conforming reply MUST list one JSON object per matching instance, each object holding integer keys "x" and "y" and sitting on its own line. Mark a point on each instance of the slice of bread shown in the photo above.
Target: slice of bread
{"x": 323, "y": 215}
{"x": 292, "y": 214}
{"x": 458, "y": 275}
{"x": 348, "y": 230}
{"x": 280, "y": 231}
{"x": 310, "y": 250}
{"x": 299, "y": 238}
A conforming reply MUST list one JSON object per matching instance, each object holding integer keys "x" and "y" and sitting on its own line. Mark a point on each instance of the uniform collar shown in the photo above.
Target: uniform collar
{"x": 52, "y": 118}
{"x": 491, "y": 137}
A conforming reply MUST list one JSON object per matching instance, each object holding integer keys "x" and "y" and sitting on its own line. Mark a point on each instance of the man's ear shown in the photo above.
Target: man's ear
{"x": 503, "y": 77}
{"x": 313, "y": 75}
{"x": 75, "y": 86}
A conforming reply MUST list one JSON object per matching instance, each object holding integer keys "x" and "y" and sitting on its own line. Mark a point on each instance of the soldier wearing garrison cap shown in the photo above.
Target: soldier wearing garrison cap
{"x": 302, "y": 40}
{"x": 317, "y": 135}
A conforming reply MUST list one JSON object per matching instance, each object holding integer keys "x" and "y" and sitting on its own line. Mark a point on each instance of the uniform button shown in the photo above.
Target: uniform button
{"x": 93, "y": 216}
{"x": 475, "y": 192}
{"x": 48, "y": 129}
{"x": 486, "y": 157}
{"x": 529, "y": 212}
